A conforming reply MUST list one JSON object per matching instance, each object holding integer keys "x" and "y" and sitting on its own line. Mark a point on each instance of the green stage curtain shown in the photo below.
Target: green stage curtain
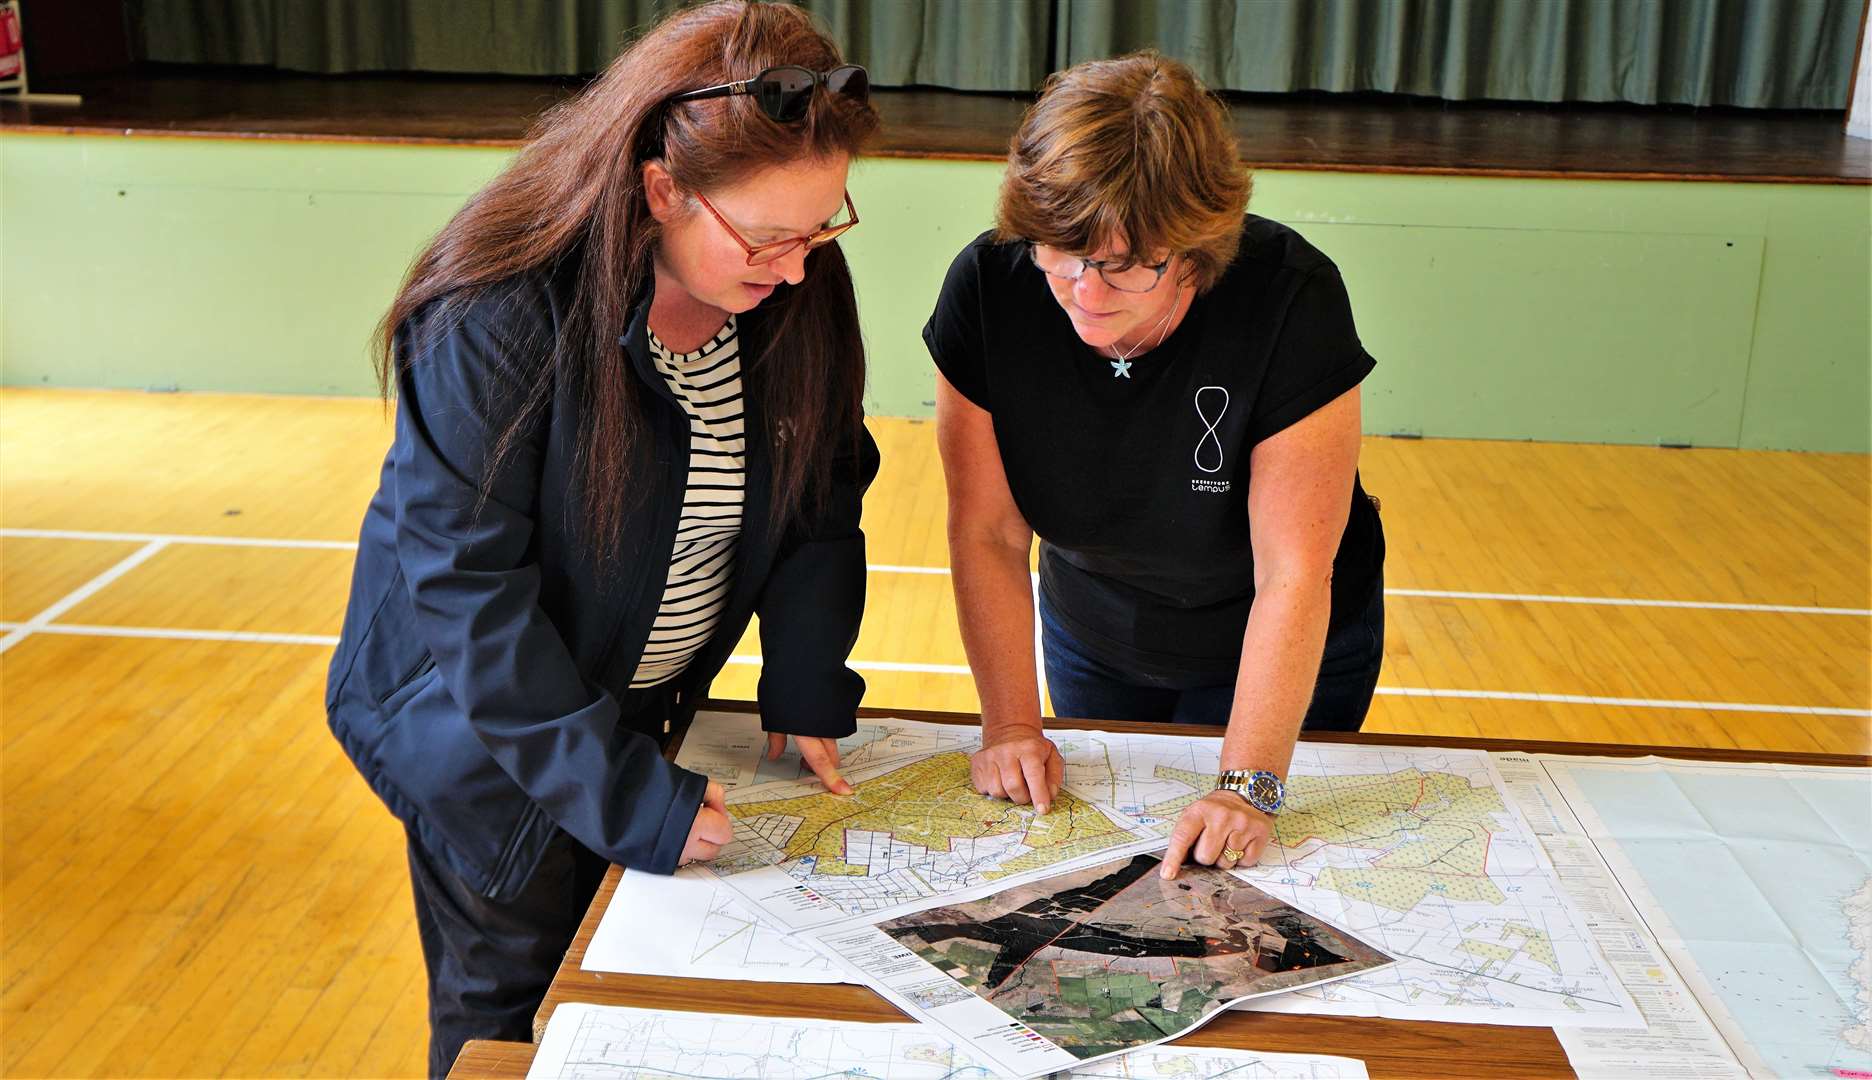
{"x": 1754, "y": 53}
{"x": 1784, "y": 54}
{"x": 499, "y": 37}
{"x": 961, "y": 44}
{"x": 957, "y": 44}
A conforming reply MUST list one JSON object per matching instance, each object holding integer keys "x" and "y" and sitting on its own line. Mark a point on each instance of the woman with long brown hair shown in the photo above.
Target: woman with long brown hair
{"x": 628, "y": 383}
{"x": 1164, "y": 389}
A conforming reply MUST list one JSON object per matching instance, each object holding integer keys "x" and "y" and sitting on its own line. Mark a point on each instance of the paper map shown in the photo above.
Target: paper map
{"x": 731, "y": 749}
{"x": 598, "y": 1042}
{"x": 692, "y": 926}
{"x": 1414, "y": 850}
{"x": 914, "y": 830}
{"x": 1756, "y": 881}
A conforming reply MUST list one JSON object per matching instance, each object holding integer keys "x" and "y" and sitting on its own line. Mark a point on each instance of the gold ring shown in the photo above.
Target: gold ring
{"x": 1232, "y": 855}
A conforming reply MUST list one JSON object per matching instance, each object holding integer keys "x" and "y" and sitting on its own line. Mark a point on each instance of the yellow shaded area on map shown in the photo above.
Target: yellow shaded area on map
{"x": 932, "y": 803}
{"x": 1431, "y": 831}
{"x": 1533, "y": 943}
{"x": 1487, "y": 950}
{"x": 1200, "y": 784}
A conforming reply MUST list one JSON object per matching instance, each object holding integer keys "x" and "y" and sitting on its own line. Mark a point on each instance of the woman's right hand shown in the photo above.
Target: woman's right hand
{"x": 1017, "y": 763}
{"x": 711, "y": 830}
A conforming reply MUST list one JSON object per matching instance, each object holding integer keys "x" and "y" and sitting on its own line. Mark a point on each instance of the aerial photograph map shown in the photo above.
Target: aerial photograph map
{"x": 1112, "y": 957}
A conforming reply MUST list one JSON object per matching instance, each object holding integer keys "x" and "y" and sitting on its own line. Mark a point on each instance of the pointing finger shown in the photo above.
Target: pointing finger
{"x": 822, "y": 756}
{"x": 1186, "y": 831}
{"x": 1035, "y": 774}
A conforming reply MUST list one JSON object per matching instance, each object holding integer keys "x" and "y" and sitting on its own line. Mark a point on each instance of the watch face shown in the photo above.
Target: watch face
{"x": 1264, "y": 789}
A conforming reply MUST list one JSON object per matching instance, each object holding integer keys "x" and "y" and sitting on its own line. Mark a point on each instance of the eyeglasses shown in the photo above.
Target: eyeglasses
{"x": 1117, "y": 273}
{"x": 757, "y": 254}
{"x": 784, "y": 92}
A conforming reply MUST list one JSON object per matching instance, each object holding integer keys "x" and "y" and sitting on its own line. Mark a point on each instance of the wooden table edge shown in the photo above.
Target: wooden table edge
{"x": 102, "y": 129}
{"x": 490, "y": 1059}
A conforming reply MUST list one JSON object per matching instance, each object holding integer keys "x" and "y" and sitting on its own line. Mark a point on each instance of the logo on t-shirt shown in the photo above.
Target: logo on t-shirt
{"x": 1209, "y": 454}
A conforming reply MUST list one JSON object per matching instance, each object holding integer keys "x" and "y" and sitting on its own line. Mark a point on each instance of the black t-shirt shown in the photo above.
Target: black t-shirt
{"x": 1137, "y": 485}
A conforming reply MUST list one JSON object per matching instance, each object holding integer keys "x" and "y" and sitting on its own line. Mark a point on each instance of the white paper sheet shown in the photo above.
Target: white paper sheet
{"x": 689, "y": 926}
{"x": 589, "y": 1042}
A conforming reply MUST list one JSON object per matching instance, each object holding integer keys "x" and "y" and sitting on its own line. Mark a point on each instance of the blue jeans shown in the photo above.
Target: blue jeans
{"x": 1089, "y": 689}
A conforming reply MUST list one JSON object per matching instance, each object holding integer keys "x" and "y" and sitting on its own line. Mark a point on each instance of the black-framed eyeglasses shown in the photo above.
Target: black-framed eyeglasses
{"x": 784, "y": 92}
{"x": 1124, "y": 276}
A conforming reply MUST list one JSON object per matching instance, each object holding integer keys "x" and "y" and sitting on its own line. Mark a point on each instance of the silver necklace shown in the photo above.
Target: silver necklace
{"x": 1122, "y": 365}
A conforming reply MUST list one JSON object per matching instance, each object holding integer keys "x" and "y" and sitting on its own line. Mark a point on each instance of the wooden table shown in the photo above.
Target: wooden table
{"x": 1389, "y": 1048}
{"x": 485, "y": 1059}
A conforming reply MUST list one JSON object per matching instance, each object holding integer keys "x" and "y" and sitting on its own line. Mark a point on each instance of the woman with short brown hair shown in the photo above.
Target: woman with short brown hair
{"x": 1165, "y": 390}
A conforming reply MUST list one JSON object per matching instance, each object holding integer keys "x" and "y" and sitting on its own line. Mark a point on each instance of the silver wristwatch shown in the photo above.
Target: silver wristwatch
{"x": 1263, "y": 790}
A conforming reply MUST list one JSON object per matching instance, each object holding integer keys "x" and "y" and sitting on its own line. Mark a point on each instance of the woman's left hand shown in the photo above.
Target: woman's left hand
{"x": 1220, "y": 829}
{"x": 820, "y": 755}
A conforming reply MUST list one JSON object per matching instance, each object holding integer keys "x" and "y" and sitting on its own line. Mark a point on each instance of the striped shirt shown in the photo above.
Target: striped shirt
{"x": 707, "y": 383}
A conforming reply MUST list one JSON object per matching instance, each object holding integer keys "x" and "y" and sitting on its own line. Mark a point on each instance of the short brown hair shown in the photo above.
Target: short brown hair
{"x": 1134, "y": 148}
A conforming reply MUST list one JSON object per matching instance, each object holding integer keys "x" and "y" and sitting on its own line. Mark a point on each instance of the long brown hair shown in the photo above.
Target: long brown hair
{"x": 1133, "y": 147}
{"x": 576, "y": 190}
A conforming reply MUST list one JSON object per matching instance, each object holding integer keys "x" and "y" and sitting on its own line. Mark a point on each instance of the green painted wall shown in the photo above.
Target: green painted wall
{"x": 1602, "y": 311}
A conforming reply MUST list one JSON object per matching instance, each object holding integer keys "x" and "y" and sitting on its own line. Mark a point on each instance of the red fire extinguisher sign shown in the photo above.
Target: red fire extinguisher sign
{"x": 12, "y": 42}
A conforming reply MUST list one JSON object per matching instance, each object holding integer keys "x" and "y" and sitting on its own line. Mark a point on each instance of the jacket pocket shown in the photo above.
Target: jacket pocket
{"x": 507, "y": 878}
{"x": 424, "y": 664}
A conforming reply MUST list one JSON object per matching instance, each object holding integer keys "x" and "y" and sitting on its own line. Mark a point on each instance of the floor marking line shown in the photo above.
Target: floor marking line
{"x": 897, "y": 568}
{"x": 81, "y": 593}
{"x": 875, "y": 665}
{"x": 256, "y": 637}
{"x": 330, "y": 640}
{"x": 178, "y": 538}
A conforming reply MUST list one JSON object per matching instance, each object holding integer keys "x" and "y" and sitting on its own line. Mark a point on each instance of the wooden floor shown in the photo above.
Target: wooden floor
{"x": 195, "y": 883}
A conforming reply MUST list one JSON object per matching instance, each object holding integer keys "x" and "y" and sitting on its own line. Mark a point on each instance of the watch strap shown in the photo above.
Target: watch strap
{"x": 1262, "y": 789}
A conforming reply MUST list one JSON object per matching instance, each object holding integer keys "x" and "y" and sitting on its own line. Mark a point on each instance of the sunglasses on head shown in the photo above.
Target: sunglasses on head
{"x": 784, "y": 92}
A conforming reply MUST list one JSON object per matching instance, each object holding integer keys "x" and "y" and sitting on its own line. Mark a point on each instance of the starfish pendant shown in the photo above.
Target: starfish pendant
{"x": 1121, "y": 367}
